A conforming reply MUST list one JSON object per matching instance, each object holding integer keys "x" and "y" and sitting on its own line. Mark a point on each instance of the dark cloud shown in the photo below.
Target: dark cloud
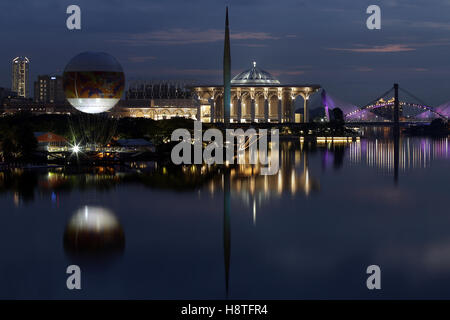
{"x": 377, "y": 49}
{"x": 180, "y": 36}
{"x": 169, "y": 38}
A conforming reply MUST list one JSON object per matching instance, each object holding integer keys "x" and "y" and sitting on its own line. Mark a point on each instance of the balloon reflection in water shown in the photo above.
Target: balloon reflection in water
{"x": 94, "y": 230}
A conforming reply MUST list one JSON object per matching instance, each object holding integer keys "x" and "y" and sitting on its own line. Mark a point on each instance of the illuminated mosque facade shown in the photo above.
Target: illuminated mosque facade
{"x": 256, "y": 96}
{"x": 252, "y": 96}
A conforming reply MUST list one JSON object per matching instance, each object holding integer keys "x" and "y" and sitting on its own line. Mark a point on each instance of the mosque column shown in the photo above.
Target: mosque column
{"x": 280, "y": 102}
{"x": 279, "y": 109}
{"x": 266, "y": 105}
{"x": 305, "y": 110}
{"x": 252, "y": 110}
{"x": 199, "y": 113}
{"x": 199, "y": 107}
{"x": 266, "y": 109}
{"x": 305, "y": 97}
{"x": 292, "y": 109}
{"x": 239, "y": 110}
{"x": 212, "y": 110}
{"x": 285, "y": 108}
{"x": 252, "y": 104}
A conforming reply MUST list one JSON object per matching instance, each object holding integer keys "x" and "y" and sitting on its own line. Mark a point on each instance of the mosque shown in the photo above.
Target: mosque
{"x": 252, "y": 96}
{"x": 256, "y": 96}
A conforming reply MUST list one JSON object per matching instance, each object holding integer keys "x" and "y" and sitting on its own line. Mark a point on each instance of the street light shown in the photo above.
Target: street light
{"x": 76, "y": 148}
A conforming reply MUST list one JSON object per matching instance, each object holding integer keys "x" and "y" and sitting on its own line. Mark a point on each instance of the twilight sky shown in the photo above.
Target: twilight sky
{"x": 323, "y": 41}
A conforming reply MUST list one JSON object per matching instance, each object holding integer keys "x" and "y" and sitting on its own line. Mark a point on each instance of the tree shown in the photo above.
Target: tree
{"x": 437, "y": 124}
{"x": 8, "y": 149}
{"x": 338, "y": 115}
{"x": 26, "y": 142}
{"x": 337, "y": 124}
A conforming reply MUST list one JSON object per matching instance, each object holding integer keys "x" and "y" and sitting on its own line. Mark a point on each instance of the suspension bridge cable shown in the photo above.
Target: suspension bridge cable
{"x": 375, "y": 100}
{"x": 427, "y": 106}
{"x": 414, "y": 97}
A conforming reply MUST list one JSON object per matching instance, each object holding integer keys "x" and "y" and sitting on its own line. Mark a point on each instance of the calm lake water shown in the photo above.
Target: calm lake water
{"x": 308, "y": 232}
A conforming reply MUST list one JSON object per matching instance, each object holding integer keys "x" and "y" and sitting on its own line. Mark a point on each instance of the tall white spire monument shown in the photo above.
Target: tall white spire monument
{"x": 226, "y": 74}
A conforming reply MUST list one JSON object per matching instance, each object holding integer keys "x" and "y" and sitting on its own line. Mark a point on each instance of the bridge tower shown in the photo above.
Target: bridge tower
{"x": 396, "y": 105}
{"x": 396, "y": 132}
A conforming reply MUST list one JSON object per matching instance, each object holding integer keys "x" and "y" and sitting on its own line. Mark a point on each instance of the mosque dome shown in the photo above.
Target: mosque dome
{"x": 254, "y": 76}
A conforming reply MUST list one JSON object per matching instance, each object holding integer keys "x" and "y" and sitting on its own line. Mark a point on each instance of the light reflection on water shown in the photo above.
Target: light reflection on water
{"x": 307, "y": 232}
{"x": 414, "y": 153}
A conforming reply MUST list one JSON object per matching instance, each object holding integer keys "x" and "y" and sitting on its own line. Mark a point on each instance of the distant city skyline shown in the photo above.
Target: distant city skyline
{"x": 49, "y": 89}
{"x": 323, "y": 42}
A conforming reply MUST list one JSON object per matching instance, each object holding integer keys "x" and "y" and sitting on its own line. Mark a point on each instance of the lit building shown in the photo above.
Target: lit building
{"x": 51, "y": 142}
{"x": 157, "y": 109}
{"x": 256, "y": 96}
{"x": 12, "y": 105}
{"x": 49, "y": 89}
{"x": 20, "y": 71}
{"x": 252, "y": 96}
{"x": 158, "y": 100}
{"x": 174, "y": 89}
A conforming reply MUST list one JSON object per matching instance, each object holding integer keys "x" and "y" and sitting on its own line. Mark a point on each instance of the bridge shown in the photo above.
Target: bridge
{"x": 383, "y": 108}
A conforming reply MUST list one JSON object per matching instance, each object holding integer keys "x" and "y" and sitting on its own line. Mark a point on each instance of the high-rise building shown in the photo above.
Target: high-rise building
{"x": 20, "y": 71}
{"x": 49, "y": 89}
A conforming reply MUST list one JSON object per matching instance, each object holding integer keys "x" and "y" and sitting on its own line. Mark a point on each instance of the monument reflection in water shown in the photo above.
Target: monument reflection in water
{"x": 213, "y": 232}
{"x": 244, "y": 184}
{"x": 294, "y": 177}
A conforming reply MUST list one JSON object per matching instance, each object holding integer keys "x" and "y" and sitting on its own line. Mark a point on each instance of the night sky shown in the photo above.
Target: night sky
{"x": 324, "y": 41}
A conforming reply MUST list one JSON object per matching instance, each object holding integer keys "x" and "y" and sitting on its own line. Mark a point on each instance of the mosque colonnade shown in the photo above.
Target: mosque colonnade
{"x": 256, "y": 96}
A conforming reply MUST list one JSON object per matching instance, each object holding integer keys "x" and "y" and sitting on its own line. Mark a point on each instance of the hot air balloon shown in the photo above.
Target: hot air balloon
{"x": 93, "y": 82}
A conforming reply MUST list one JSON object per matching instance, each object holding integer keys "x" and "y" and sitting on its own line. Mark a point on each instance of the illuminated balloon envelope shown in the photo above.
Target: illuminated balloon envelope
{"x": 94, "y": 230}
{"x": 93, "y": 82}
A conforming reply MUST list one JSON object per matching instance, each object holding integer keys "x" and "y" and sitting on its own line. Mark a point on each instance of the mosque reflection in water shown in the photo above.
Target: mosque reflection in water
{"x": 253, "y": 189}
{"x": 295, "y": 176}
{"x": 96, "y": 231}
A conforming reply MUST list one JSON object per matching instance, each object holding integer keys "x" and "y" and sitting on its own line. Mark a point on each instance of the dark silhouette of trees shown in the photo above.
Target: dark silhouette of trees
{"x": 18, "y": 143}
{"x": 26, "y": 142}
{"x": 337, "y": 123}
{"x": 437, "y": 124}
{"x": 437, "y": 127}
{"x": 8, "y": 149}
{"x": 338, "y": 115}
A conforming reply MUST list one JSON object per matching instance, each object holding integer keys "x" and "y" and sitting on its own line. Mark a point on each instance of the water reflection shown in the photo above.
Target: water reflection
{"x": 25, "y": 185}
{"x": 252, "y": 188}
{"x": 226, "y": 228}
{"x": 326, "y": 212}
{"x": 93, "y": 231}
{"x": 413, "y": 153}
{"x": 246, "y": 183}
{"x": 21, "y": 182}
